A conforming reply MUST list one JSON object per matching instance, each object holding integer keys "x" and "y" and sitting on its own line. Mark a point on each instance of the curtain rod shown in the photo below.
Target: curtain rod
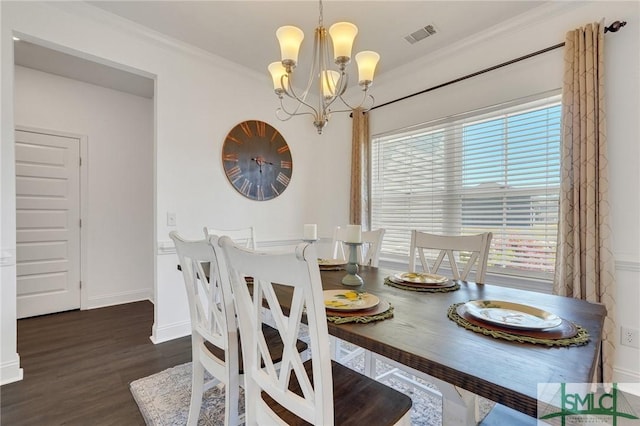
{"x": 614, "y": 28}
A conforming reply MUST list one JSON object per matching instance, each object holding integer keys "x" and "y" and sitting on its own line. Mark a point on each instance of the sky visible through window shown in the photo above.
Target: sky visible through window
{"x": 499, "y": 150}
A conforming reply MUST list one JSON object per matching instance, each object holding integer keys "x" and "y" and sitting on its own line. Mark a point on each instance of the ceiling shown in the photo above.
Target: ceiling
{"x": 243, "y": 32}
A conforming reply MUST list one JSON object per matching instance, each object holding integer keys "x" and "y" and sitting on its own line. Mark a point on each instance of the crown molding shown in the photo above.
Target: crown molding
{"x": 134, "y": 29}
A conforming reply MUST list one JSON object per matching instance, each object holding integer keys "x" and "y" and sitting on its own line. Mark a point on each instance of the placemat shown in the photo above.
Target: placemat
{"x": 383, "y": 311}
{"x": 434, "y": 289}
{"x": 566, "y": 334}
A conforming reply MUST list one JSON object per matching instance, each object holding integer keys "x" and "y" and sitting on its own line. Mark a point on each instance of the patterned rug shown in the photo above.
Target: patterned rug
{"x": 163, "y": 399}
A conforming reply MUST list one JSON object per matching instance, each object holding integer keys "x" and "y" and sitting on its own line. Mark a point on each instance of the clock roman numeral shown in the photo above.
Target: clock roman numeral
{"x": 260, "y": 192}
{"x": 245, "y": 188}
{"x": 285, "y": 164}
{"x": 274, "y": 135}
{"x": 275, "y": 191}
{"x": 283, "y": 179}
{"x": 234, "y": 174}
{"x": 230, "y": 157}
{"x": 261, "y": 128}
{"x": 283, "y": 149}
{"x": 233, "y": 139}
{"x": 246, "y": 129}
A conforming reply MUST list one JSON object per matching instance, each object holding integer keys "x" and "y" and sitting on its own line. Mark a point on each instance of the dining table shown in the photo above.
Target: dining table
{"x": 420, "y": 335}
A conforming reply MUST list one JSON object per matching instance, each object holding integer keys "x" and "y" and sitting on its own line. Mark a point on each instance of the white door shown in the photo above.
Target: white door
{"x": 48, "y": 223}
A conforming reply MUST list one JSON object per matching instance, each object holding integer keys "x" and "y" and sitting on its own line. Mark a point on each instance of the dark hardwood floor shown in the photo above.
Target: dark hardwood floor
{"x": 78, "y": 366}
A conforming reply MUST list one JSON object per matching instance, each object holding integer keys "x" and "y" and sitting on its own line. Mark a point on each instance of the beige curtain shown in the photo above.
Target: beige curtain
{"x": 359, "y": 204}
{"x": 584, "y": 262}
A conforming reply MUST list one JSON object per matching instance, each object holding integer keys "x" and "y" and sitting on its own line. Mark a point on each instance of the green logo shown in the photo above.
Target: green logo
{"x": 581, "y": 407}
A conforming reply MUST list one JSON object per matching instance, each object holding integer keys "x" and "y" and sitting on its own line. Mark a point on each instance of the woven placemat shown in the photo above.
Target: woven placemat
{"x": 455, "y": 287}
{"x": 362, "y": 319}
{"x": 581, "y": 337}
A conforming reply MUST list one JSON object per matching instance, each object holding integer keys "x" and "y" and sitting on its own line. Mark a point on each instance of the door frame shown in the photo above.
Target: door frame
{"x": 84, "y": 203}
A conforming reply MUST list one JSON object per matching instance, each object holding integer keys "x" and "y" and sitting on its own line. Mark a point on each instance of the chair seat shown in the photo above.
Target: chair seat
{"x": 274, "y": 342}
{"x": 358, "y": 400}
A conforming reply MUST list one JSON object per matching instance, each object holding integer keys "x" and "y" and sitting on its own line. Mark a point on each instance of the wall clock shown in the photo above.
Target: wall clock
{"x": 256, "y": 160}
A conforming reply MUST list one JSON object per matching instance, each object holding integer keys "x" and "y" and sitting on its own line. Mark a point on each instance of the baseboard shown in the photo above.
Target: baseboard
{"x": 118, "y": 298}
{"x": 170, "y": 332}
{"x": 10, "y": 371}
{"x": 622, "y": 375}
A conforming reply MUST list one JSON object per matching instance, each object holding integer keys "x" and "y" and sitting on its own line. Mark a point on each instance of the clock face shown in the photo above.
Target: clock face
{"x": 256, "y": 160}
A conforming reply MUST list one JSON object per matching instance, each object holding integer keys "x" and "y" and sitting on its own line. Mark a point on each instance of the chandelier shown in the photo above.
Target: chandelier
{"x": 330, "y": 84}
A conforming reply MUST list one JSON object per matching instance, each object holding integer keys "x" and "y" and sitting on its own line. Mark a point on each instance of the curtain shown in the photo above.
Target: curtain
{"x": 359, "y": 213}
{"x": 584, "y": 261}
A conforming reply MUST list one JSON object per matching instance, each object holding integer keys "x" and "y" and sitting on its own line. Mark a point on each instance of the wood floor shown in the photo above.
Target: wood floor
{"x": 78, "y": 366}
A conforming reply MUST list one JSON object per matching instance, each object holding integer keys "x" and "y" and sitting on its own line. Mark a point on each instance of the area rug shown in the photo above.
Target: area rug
{"x": 163, "y": 399}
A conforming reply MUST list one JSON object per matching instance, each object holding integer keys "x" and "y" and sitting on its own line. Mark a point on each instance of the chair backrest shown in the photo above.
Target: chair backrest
{"x": 210, "y": 300}
{"x": 467, "y": 250}
{"x": 245, "y": 237}
{"x": 369, "y": 253}
{"x": 297, "y": 270}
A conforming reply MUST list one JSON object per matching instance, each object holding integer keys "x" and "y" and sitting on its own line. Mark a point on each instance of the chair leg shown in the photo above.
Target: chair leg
{"x": 197, "y": 384}
{"x": 231, "y": 414}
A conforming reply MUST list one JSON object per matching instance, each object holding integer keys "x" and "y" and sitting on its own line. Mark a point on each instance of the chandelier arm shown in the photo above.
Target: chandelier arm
{"x": 300, "y": 103}
{"x": 362, "y": 102}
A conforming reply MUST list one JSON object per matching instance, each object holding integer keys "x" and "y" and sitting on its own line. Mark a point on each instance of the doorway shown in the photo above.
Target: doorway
{"x": 48, "y": 225}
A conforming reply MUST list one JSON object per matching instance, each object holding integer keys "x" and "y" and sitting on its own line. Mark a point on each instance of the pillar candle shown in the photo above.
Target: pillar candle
{"x": 354, "y": 234}
{"x": 310, "y": 231}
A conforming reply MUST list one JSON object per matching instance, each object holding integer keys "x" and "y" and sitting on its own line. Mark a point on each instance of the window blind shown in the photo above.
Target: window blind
{"x": 492, "y": 171}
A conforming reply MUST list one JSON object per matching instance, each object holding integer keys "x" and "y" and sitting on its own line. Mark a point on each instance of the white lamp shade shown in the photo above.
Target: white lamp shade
{"x": 290, "y": 38}
{"x": 367, "y": 62}
{"x": 277, "y": 70}
{"x": 342, "y": 34}
{"x": 329, "y": 81}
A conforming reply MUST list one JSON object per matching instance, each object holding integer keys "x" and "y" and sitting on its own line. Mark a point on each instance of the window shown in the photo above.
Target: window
{"x": 496, "y": 171}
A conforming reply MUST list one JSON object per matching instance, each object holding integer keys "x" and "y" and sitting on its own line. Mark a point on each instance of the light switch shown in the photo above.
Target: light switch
{"x": 171, "y": 219}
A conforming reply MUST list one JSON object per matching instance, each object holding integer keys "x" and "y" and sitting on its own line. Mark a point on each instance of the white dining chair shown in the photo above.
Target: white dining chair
{"x": 369, "y": 251}
{"x": 214, "y": 331}
{"x": 468, "y": 251}
{"x": 212, "y": 323}
{"x": 318, "y": 391}
{"x": 466, "y": 255}
{"x": 369, "y": 255}
{"x": 244, "y": 236}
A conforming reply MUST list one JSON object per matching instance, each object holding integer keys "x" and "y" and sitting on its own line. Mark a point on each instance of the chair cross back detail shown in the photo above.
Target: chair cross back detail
{"x": 475, "y": 250}
{"x": 245, "y": 237}
{"x": 318, "y": 391}
{"x": 369, "y": 251}
{"x": 212, "y": 321}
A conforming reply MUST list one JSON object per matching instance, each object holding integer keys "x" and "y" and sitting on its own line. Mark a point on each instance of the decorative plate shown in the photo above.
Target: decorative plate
{"x": 331, "y": 262}
{"x": 421, "y": 278}
{"x": 512, "y": 315}
{"x": 349, "y": 300}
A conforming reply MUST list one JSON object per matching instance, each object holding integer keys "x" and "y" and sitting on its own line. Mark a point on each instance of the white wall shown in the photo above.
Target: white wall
{"x": 119, "y": 264}
{"x": 199, "y": 98}
{"x": 545, "y": 27}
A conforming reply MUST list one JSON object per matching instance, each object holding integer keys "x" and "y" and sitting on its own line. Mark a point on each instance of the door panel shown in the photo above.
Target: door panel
{"x": 48, "y": 223}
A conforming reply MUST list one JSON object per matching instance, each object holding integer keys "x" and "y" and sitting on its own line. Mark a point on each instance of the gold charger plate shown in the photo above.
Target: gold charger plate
{"x": 448, "y": 283}
{"x": 421, "y": 278}
{"x": 349, "y": 300}
{"x": 331, "y": 262}
{"x": 565, "y": 330}
{"x": 381, "y": 307}
{"x": 512, "y": 315}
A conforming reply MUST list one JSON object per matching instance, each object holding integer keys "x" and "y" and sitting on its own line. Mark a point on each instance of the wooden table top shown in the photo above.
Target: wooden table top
{"x": 421, "y": 336}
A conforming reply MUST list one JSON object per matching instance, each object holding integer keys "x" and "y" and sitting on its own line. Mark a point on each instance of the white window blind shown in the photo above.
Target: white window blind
{"x": 496, "y": 171}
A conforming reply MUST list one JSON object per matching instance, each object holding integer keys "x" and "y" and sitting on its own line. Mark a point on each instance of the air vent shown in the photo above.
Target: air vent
{"x": 421, "y": 34}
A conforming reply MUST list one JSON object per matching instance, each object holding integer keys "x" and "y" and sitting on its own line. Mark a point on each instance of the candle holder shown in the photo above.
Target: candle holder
{"x": 352, "y": 278}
